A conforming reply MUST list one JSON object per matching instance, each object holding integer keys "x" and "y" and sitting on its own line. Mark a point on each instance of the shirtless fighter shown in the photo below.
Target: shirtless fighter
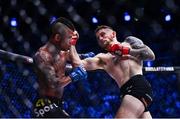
{"x": 124, "y": 63}
{"x": 50, "y": 64}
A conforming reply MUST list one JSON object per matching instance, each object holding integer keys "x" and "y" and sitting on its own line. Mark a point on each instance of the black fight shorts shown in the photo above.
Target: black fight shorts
{"x": 48, "y": 107}
{"x": 140, "y": 88}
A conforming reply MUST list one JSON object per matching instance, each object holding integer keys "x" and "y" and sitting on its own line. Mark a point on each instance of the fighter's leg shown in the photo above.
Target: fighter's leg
{"x": 146, "y": 115}
{"x": 130, "y": 107}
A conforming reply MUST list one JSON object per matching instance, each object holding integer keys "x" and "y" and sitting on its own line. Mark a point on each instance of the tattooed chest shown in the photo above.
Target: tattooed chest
{"x": 59, "y": 63}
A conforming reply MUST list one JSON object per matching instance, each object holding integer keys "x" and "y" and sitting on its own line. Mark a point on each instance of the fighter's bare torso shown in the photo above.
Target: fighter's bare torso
{"x": 54, "y": 61}
{"x": 120, "y": 69}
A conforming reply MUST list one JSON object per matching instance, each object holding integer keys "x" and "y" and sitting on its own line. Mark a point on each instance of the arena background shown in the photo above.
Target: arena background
{"x": 24, "y": 26}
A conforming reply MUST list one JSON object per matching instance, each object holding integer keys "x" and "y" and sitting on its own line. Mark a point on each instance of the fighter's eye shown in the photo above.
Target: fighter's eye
{"x": 102, "y": 34}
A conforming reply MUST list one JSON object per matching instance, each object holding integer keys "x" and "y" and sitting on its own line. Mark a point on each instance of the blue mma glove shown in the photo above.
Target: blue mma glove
{"x": 78, "y": 73}
{"x": 86, "y": 55}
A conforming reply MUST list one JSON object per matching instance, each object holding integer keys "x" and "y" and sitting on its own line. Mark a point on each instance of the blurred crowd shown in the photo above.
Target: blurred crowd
{"x": 96, "y": 97}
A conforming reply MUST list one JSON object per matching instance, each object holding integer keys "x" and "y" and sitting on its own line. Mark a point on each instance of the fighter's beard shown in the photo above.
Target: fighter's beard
{"x": 106, "y": 44}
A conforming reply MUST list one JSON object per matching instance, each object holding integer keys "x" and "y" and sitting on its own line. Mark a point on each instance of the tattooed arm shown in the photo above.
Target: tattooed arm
{"x": 43, "y": 62}
{"x": 143, "y": 53}
{"x": 139, "y": 49}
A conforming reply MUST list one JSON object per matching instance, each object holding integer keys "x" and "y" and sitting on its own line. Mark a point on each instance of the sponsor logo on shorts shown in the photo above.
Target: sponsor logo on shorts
{"x": 43, "y": 106}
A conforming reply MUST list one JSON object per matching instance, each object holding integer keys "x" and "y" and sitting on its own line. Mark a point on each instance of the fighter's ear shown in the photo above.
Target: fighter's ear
{"x": 114, "y": 34}
{"x": 57, "y": 37}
